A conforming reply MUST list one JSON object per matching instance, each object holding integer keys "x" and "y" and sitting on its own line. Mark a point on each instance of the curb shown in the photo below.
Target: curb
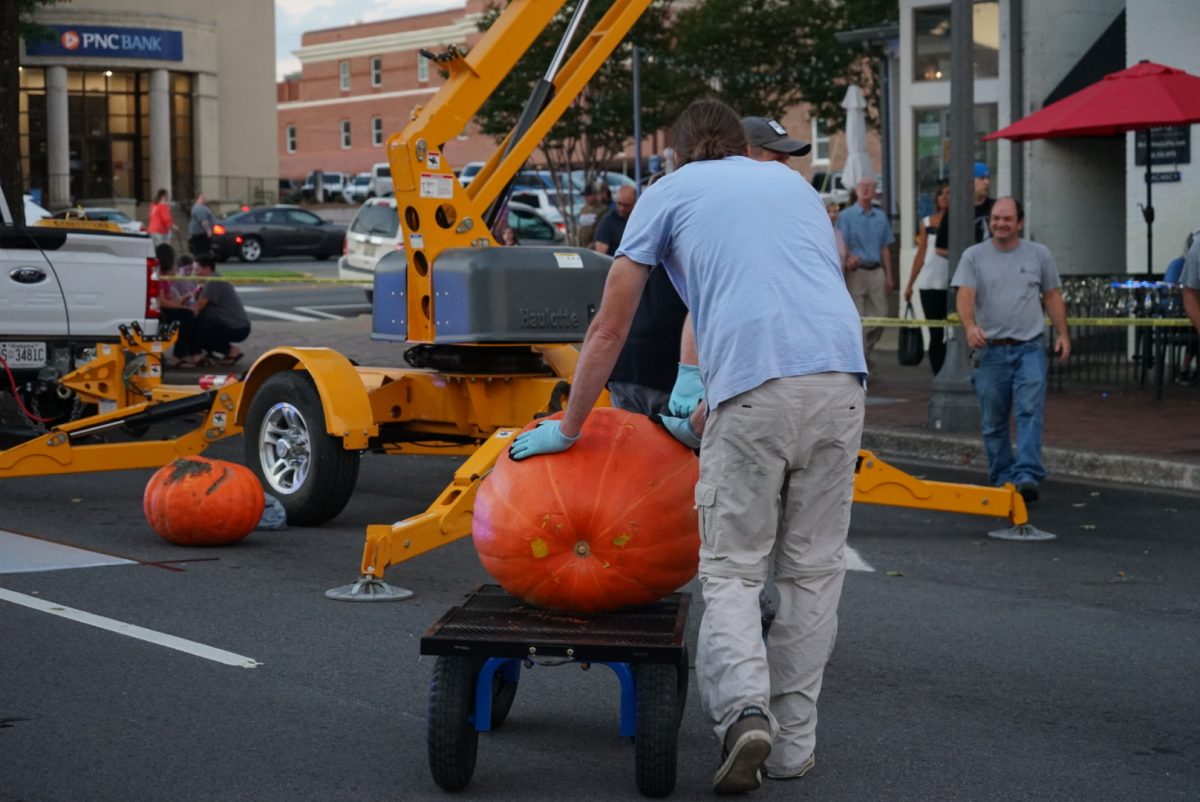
{"x": 964, "y": 452}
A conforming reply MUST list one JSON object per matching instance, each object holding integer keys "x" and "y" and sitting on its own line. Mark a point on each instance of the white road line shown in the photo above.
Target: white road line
{"x": 258, "y": 310}
{"x": 855, "y": 562}
{"x": 20, "y": 554}
{"x": 312, "y": 310}
{"x": 131, "y": 630}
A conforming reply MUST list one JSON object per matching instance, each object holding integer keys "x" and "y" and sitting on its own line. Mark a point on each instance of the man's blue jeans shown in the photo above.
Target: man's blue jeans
{"x": 1011, "y": 379}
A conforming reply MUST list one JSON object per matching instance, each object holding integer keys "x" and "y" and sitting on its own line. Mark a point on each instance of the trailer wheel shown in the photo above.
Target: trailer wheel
{"x": 451, "y": 736}
{"x": 293, "y": 456}
{"x": 657, "y": 737}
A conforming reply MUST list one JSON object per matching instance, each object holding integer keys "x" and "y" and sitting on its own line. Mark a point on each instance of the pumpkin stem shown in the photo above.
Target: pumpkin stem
{"x": 583, "y": 549}
{"x": 184, "y": 467}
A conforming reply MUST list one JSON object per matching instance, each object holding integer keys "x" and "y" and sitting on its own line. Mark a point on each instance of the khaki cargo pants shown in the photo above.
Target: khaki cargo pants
{"x": 776, "y": 464}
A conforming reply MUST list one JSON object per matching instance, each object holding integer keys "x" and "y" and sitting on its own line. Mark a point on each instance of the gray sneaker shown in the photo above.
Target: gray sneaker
{"x": 747, "y": 746}
{"x": 804, "y": 767}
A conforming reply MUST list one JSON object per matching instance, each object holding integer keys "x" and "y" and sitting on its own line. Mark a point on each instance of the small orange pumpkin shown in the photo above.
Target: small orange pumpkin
{"x": 203, "y": 502}
{"x": 606, "y": 524}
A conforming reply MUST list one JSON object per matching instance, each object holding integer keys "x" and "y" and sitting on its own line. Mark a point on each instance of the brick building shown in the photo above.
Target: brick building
{"x": 359, "y": 84}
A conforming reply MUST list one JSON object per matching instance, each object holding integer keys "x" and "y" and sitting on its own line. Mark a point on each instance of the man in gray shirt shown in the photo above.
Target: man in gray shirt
{"x": 1003, "y": 284}
{"x": 200, "y": 227}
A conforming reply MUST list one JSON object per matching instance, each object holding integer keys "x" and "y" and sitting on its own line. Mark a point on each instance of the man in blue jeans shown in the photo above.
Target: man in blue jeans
{"x": 1003, "y": 284}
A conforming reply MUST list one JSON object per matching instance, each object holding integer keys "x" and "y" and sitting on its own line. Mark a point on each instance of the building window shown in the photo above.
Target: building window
{"x": 376, "y": 131}
{"x": 933, "y": 149}
{"x": 344, "y": 71}
{"x": 291, "y": 139}
{"x": 345, "y": 134}
{"x": 820, "y": 141}
{"x": 422, "y": 68}
{"x": 376, "y": 71}
{"x": 931, "y": 48}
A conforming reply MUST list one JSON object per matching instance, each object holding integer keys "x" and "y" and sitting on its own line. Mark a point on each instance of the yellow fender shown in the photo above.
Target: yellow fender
{"x": 343, "y": 394}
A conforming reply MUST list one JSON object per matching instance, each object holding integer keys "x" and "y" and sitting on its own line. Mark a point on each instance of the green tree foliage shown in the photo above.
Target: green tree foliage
{"x": 594, "y": 129}
{"x": 765, "y": 56}
{"x": 16, "y": 21}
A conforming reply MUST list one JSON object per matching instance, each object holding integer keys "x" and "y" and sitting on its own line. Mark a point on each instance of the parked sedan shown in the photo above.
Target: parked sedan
{"x": 276, "y": 231}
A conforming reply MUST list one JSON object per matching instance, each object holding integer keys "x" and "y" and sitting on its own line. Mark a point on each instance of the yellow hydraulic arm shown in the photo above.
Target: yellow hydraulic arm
{"x": 438, "y": 213}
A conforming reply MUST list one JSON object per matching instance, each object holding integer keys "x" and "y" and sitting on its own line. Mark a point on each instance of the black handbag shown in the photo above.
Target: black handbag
{"x": 912, "y": 345}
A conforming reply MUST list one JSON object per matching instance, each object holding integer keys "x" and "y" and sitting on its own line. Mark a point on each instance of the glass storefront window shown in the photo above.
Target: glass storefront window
{"x": 933, "y": 149}
{"x": 108, "y": 133}
{"x": 931, "y": 48}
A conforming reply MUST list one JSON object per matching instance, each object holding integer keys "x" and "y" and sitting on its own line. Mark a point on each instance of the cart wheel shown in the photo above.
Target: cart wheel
{"x": 451, "y": 736}
{"x": 657, "y": 727}
{"x": 681, "y": 686}
{"x": 503, "y": 693}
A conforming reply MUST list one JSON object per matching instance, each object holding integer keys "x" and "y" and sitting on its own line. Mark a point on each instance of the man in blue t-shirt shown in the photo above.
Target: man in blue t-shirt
{"x": 749, "y": 247}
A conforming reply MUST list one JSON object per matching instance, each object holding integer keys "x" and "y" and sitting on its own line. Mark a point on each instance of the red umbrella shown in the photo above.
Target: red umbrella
{"x": 1146, "y": 95}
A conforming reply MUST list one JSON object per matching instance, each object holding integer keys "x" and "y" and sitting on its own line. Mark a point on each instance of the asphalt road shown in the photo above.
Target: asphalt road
{"x": 966, "y": 668}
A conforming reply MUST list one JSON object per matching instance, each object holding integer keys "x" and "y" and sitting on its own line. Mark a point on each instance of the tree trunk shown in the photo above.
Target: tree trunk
{"x": 10, "y": 138}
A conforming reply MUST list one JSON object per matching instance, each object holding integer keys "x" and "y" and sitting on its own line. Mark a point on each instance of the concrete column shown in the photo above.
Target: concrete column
{"x": 58, "y": 142}
{"x": 160, "y": 133}
{"x": 206, "y": 120}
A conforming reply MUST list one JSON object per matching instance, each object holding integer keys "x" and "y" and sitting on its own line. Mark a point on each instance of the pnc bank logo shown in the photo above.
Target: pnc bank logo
{"x": 70, "y": 40}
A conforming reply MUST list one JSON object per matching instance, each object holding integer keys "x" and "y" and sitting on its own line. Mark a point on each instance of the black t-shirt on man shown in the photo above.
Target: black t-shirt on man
{"x": 651, "y": 354}
{"x": 983, "y": 213}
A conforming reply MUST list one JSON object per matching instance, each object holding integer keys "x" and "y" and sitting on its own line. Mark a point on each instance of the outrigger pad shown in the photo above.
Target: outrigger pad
{"x": 369, "y": 589}
{"x": 1025, "y": 532}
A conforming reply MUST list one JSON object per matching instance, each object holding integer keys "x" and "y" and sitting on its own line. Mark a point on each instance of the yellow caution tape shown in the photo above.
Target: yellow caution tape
{"x": 282, "y": 280}
{"x": 1136, "y": 322}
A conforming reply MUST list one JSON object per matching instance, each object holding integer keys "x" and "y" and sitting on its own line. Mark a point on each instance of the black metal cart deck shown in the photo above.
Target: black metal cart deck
{"x": 482, "y": 644}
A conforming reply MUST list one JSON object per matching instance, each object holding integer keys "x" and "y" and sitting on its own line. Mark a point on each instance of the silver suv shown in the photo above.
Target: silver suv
{"x": 375, "y": 231}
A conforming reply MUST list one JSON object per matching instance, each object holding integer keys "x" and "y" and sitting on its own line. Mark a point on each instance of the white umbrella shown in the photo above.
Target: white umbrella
{"x": 858, "y": 162}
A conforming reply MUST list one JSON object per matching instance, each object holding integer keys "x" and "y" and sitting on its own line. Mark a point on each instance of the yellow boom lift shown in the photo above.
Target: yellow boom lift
{"x": 489, "y": 333}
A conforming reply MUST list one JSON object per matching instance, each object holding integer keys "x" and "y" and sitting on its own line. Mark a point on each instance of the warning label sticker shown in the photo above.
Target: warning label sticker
{"x": 568, "y": 259}
{"x": 437, "y": 185}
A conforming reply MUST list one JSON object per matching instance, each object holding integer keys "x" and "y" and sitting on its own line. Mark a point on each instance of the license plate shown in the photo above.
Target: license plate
{"x": 369, "y": 250}
{"x": 23, "y": 355}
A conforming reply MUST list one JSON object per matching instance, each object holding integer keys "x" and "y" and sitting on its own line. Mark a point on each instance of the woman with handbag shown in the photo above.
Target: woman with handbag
{"x": 931, "y": 275}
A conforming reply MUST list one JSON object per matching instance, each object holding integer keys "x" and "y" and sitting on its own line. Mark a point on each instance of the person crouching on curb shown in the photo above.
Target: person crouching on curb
{"x": 750, "y": 248}
{"x": 221, "y": 319}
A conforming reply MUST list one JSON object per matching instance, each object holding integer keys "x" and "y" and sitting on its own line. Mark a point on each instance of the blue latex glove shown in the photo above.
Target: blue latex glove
{"x": 681, "y": 429}
{"x": 545, "y": 439}
{"x": 687, "y": 393}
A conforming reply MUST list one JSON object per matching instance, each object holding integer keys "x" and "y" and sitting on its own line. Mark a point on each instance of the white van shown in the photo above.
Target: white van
{"x": 381, "y": 179}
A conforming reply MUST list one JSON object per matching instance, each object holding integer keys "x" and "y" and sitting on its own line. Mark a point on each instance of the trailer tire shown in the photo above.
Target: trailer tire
{"x": 657, "y": 739}
{"x": 288, "y": 449}
{"x": 450, "y": 735}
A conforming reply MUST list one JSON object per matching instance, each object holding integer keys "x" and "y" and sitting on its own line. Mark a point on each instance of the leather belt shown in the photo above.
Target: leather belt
{"x": 866, "y": 266}
{"x": 1010, "y": 341}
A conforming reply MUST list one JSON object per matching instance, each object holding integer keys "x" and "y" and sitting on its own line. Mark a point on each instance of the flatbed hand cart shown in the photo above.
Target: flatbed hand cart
{"x": 482, "y": 644}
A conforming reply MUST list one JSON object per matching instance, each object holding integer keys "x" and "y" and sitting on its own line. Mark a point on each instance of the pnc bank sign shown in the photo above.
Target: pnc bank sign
{"x": 97, "y": 41}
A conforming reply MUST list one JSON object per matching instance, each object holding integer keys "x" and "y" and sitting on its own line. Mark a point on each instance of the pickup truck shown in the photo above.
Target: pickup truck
{"x": 62, "y": 291}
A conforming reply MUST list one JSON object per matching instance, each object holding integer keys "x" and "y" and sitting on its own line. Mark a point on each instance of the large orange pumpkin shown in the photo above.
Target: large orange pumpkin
{"x": 203, "y": 502}
{"x": 608, "y": 523}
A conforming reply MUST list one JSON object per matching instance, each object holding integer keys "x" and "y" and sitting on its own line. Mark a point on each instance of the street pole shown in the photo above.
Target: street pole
{"x": 952, "y": 406}
{"x": 637, "y": 120}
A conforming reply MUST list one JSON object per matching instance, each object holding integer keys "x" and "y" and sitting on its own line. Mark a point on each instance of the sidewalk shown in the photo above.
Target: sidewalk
{"x": 1091, "y": 431}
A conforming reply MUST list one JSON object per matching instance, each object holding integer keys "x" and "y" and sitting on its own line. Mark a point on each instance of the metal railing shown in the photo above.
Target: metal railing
{"x": 1119, "y": 355}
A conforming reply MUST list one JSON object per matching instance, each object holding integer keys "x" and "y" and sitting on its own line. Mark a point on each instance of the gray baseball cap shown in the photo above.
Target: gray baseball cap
{"x": 762, "y": 132}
